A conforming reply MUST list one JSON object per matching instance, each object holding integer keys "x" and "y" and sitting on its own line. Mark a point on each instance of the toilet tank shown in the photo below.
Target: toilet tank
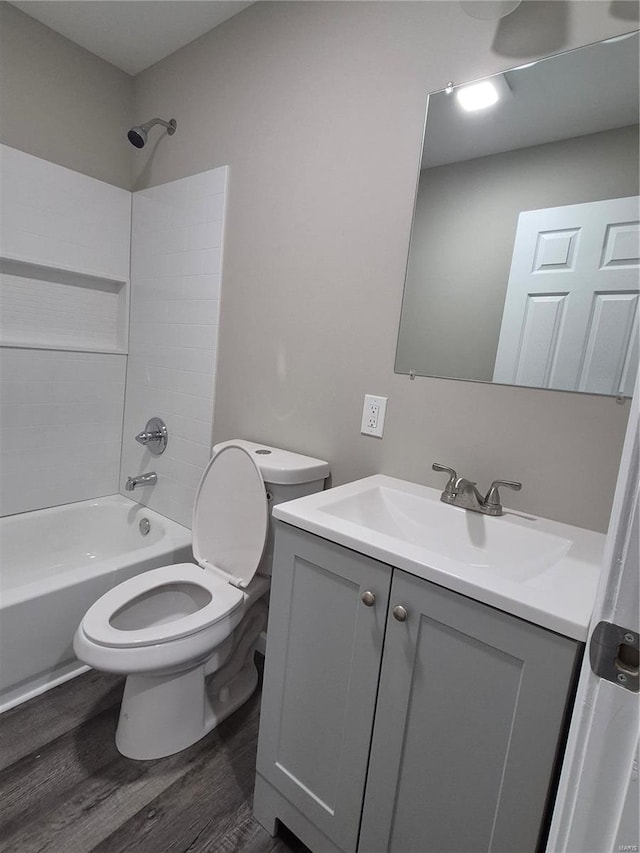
{"x": 286, "y": 476}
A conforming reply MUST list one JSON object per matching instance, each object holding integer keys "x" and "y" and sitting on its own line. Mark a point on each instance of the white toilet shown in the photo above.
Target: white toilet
{"x": 185, "y": 634}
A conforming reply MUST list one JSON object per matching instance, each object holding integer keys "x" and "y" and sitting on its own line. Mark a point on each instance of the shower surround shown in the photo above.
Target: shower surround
{"x": 64, "y": 270}
{"x": 74, "y": 324}
{"x": 176, "y": 264}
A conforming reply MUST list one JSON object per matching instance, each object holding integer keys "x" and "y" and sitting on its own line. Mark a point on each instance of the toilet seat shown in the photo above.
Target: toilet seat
{"x": 224, "y": 600}
{"x": 230, "y": 525}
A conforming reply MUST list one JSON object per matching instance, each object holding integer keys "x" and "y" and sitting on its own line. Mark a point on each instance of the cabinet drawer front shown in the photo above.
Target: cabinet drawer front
{"x": 471, "y": 707}
{"x": 323, "y": 658}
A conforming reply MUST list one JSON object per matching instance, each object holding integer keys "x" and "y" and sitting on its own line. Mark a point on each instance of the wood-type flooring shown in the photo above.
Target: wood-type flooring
{"x": 64, "y": 787}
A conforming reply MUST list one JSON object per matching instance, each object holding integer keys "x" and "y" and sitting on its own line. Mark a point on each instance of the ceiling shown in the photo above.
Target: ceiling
{"x": 131, "y": 34}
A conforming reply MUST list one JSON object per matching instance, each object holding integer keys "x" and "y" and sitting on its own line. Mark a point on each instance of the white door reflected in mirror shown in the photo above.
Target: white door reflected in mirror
{"x": 570, "y": 318}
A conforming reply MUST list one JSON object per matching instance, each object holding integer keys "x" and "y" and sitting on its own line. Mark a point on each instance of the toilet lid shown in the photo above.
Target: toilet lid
{"x": 230, "y": 515}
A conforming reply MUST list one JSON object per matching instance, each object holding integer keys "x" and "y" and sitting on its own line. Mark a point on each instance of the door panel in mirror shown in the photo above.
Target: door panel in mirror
{"x": 570, "y": 319}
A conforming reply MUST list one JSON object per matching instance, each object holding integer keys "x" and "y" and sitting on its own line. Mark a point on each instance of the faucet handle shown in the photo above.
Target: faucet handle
{"x": 154, "y": 436}
{"x": 145, "y": 437}
{"x": 449, "y": 488}
{"x": 492, "y": 500}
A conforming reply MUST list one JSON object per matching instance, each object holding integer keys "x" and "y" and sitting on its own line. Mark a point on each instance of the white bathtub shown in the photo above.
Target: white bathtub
{"x": 54, "y": 563}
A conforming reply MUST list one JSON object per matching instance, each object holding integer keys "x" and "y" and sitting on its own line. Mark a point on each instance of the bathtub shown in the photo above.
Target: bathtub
{"x": 54, "y": 563}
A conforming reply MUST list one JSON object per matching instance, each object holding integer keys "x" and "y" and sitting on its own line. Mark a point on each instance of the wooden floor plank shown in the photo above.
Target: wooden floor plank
{"x": 80, "y": 818}
{"x": 202, "y": 804}
{"x": 36, "y": 782}
{"x": 27, "y": 727}
{"x": 256, "y": 839}
{"x": 66, "y": 789}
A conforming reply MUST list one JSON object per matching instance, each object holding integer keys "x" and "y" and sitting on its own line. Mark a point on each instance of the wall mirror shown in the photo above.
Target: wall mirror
{"x": 523, "y": 264}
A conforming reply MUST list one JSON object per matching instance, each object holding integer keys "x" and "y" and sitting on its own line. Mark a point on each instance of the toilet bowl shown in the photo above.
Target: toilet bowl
{"x": 184, "y": 635}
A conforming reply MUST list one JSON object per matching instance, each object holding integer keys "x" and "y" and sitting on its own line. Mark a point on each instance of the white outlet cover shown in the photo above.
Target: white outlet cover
{"x": 373, "y": 413}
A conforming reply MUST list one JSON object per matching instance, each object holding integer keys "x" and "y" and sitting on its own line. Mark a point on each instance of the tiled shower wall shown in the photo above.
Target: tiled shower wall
{"x": 64, "y": 306}
{"x": 61, "y": 415}
{"x": 176, "y": 264}
{"x": 64, "y": 256}
{"x": 60, "y": 218}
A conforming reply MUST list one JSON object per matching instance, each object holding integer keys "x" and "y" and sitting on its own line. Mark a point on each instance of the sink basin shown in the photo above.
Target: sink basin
{"x": 541, "y": 570}
{"x": 452, "y": 534}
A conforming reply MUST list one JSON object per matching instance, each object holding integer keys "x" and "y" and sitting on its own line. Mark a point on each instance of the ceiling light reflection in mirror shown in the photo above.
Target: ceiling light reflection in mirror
{"x": 560, "y": 147}
{"x": 482, "y": 95}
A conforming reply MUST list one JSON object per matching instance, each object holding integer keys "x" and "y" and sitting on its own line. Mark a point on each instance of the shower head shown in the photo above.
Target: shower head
{"x": 137, "y": 136}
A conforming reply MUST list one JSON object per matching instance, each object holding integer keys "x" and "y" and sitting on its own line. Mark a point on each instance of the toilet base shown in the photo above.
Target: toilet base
{"x": 164, "y": 714}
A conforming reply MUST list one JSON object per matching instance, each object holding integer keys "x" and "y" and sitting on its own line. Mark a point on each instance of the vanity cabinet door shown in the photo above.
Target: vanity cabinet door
{"x": 322, "y": 665}
{"x": 469, "y": 717}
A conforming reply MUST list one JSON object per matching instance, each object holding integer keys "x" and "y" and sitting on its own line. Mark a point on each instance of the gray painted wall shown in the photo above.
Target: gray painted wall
{"x": 318, "y": 109}
{"x": 62, "y": 103}
{"x": 475, "y": 206}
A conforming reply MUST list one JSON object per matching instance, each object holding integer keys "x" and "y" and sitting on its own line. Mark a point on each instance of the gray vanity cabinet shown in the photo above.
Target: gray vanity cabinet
{"x": 324, "y": 650}
{"x": 469, "y": 716}
{"x": 422, "y": 722}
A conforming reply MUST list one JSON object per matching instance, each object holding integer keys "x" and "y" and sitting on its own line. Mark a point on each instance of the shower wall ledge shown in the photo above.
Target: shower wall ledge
{"x": 54, "y": 272}
{"x": 21, "y": 343}
{"x": 51, "y": 306}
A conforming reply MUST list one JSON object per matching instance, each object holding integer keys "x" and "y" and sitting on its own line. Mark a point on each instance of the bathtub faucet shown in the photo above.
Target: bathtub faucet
{"x": 142, "y": 480}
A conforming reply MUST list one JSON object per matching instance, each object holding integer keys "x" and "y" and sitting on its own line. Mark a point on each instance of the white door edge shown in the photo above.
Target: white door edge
{"x": 597, "y": 798}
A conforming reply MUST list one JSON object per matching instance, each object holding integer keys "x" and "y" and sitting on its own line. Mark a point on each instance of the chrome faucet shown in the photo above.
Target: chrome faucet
{"x": 463, "y": 493}
{"x": 142, "y": 480}
{"x": 154, "y": 436}
{"x": 467, "y": 496}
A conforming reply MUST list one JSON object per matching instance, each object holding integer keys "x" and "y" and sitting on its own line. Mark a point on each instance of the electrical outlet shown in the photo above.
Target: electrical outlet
{"x": 373, "y": 414}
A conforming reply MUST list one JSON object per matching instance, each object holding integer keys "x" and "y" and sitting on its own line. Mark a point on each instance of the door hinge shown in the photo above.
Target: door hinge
{"x": 614, "y": 655}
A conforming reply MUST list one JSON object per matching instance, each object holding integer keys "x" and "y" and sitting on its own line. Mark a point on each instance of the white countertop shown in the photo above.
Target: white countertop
{"x": 537, "y": 569}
